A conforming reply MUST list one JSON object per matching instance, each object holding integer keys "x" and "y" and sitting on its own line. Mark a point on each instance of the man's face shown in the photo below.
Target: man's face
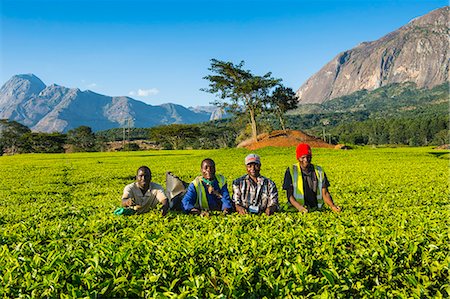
{"x": 208, "y": 170}
{"x": 305, "y": 161}
{"x": 253, "y": 169}
{"x": 143, "y": 178}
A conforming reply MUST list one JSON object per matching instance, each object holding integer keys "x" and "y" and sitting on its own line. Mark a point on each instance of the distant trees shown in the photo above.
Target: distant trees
{"x": 217, "y": 134}
{"x": 17, "y": 138}
{"x": 177, "y": 136}
{"x": 240, "y": 91}
{"x": 82, "y": 139}
{"x": 43, "y": 142}
{"x": 422, "y": 130}
{"x": 10, "y": 133}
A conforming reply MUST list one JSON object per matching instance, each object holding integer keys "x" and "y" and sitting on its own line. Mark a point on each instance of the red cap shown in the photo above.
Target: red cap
{"x": 303, "y": 149}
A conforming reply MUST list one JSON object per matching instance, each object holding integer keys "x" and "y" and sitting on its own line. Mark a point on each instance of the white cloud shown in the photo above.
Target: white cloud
{"x": 144, "y": 92}
{"x": 88, "y": 85}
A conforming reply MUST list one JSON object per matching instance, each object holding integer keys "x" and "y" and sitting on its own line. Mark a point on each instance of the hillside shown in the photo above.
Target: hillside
{"x": 27, "y": 100}
{"x": 416, "y": 52}
{"x": 387, "y": 101}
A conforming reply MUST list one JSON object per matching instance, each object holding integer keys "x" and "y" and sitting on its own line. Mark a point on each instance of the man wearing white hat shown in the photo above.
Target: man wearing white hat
{"x": 253, "y": 193}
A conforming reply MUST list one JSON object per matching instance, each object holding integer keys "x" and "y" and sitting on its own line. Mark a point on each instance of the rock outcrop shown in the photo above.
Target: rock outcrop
{"x": 417, "y": 52}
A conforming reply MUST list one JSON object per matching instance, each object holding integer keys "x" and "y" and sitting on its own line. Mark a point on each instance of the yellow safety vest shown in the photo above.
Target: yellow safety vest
{"x": 297, "y": 182}
{"x": 202, "y": 201}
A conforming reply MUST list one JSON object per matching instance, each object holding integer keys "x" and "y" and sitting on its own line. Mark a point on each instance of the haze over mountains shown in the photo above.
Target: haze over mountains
{"x": 417, "y": 52}
{"x": 27, "y": 100}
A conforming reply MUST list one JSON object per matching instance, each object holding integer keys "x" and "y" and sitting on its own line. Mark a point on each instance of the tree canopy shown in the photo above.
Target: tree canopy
{"x": 82, "y": 139}
{"x": 282, "y": 100}
{"x": 239, "y": 91}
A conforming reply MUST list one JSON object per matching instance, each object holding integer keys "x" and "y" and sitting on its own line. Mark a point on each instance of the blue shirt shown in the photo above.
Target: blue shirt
{"x": 215, "y": 203}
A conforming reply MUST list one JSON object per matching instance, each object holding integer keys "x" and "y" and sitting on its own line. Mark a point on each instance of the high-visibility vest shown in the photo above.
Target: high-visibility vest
{"x": 297, "y": 183}
{"x": 202, "y": 201}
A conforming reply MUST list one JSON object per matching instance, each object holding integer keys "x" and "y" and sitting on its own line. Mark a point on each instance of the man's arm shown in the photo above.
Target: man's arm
{"x": 189, "y": 200}
{"x": 127, "y": 202}
{"x": 293, "y": 202}
{"x": 162, "y": 199}
{"x": 226, "y": 201}
{"x": 165, "y": 207}
{"x": 329, "y": 201}
{"x": 273, "y": 198}
{"x": 127, "y": 197}
{"x": 289, "y": 187}
{"x": 237, "y": 198}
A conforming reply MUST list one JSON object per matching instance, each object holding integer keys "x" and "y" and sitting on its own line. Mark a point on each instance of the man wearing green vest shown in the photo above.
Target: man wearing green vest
{"x": 207, "y": 192}
{"x": 306, "y": 184}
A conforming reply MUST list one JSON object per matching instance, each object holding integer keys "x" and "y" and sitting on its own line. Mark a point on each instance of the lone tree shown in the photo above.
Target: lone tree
{"x": 240, "y": 91}
{"x": 282, "y": 100}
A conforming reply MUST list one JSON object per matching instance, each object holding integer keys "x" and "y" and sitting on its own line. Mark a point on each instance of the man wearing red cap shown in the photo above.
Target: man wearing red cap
{"x": 253, "y": 193}
{"x": 306, "y": 184}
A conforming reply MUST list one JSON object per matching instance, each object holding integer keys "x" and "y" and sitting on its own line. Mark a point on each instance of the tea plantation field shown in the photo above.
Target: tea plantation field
{"x": 59, "y": 238}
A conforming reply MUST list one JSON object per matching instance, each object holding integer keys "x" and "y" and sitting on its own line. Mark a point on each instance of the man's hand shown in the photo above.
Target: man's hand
{"x": 303, "y": 209}
{"x": 270, "y": 210}
{"x": 241, "y": 210}
{"x": 216, "y": 193}
{"x": 164, "y": 210}
{"x": 127, "y": 202}
{"x": 336, "y": 209}
{"x": 194, "y": 211}
{"x": 226, "y": 211}
{"x": 204, "y": 214}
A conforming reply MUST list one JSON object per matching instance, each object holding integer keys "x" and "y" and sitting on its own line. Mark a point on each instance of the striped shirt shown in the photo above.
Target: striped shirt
{"x": 262, "y": 193}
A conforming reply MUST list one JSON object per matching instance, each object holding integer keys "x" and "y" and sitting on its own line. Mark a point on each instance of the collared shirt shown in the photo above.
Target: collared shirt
{"x": 149, "y": 200}
{"x": 262, "y": 193}
{"x": 310, "y": 183}
{"x": 214, "y": 203}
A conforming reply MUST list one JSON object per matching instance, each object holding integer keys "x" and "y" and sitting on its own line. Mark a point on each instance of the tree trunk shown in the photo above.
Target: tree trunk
{"x": 280, "y": 115}
{"x": 282, "y": 124}
{"x": 253, "y": 123}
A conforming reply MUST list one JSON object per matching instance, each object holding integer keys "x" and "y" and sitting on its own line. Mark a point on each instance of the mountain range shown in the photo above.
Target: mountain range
{"x": 27, "y": 100}
{"x": 417, "y": 52}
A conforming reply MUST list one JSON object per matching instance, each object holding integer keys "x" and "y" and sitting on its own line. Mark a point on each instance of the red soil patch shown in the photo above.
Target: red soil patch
{"x": 283, "y": 139}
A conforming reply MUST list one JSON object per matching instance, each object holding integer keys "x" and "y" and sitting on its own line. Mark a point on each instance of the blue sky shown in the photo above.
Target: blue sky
{"x": 159, "y": 51}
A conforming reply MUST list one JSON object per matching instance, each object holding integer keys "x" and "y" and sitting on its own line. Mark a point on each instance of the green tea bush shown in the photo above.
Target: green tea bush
{"x": 59, "y": 238}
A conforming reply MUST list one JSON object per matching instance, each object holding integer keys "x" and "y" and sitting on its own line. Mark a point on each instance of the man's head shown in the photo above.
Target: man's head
{"x": 143, "y": 176}
{"x": 304, "y": 155}
{"x": 253, "y": 165}
{"x": 208, "y": 168}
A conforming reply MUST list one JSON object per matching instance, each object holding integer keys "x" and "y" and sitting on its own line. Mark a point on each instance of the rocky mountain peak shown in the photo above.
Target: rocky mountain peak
{"x": 437, "y": 17}
{"x": 416, "y": 52}
{"x": 22, "y": 86}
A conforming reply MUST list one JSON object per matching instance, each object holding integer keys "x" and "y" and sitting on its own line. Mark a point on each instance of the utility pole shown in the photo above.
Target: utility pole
{"x": 128, "y": 128}
{"x": 123, "y": 138}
